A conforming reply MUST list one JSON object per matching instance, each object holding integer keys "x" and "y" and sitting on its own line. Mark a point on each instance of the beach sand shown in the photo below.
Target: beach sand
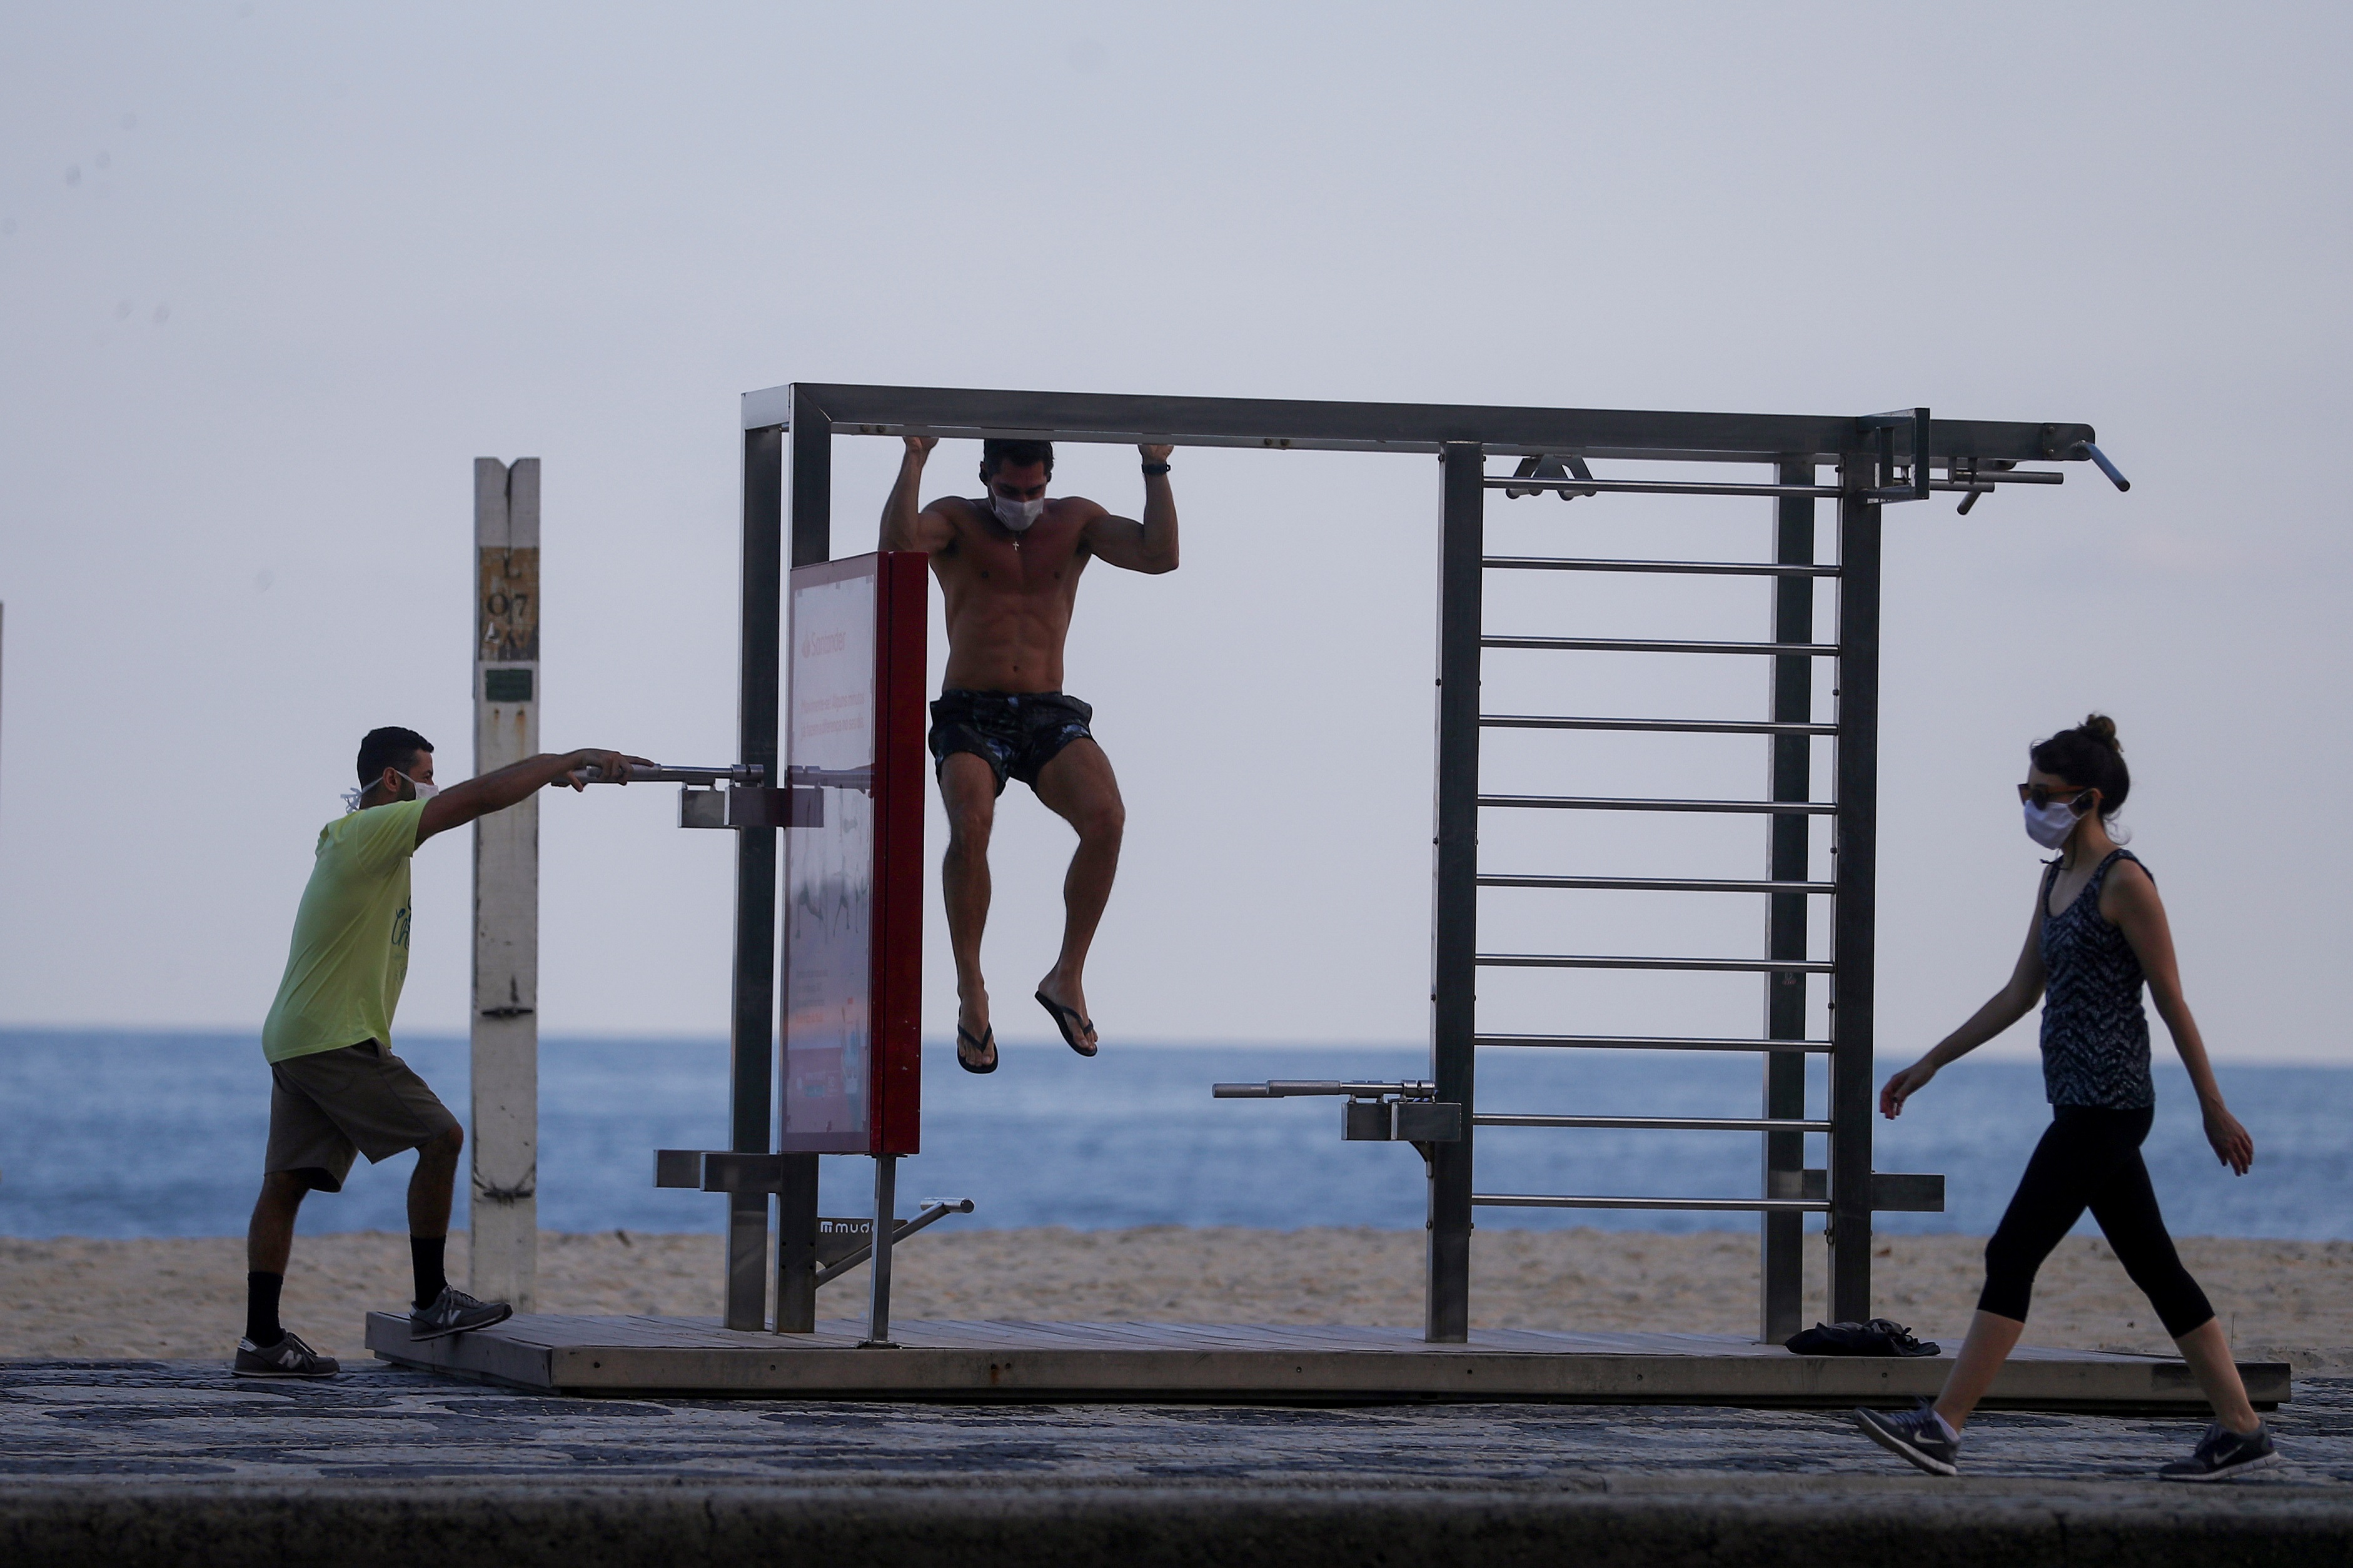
{"x": 82, "y": 1299}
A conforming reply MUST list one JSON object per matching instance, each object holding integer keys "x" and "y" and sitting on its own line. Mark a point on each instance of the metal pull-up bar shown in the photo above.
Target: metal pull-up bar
{"x": 1978, "y": 482}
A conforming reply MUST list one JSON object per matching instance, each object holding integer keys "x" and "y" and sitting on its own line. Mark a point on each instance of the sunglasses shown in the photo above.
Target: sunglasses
{"x": 2040, "y": 795}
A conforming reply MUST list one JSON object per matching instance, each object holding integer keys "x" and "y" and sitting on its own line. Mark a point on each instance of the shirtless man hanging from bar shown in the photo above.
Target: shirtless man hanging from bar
{"x": 1009, "y": 567}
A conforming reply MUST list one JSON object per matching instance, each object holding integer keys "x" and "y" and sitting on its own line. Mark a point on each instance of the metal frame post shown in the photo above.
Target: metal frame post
{"x": 886, "y": 1225}
{"x": 812, "y": 542}
{"x": 1453, "y": 991}
{"x": 1852, "y": 949}
{"x": 751, "y": 1041}
{"x": 1781, "y": 1267}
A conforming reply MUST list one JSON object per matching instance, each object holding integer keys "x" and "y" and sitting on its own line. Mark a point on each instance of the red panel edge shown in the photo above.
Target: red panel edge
{"x": 902, "y": 612}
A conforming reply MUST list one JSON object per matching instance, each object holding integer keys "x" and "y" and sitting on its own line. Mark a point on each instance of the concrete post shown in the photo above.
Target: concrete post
{"x": 504, "y": 1252}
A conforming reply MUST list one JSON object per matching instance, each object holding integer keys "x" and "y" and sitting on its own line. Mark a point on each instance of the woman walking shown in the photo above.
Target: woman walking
{"x": 2098, "y": 933}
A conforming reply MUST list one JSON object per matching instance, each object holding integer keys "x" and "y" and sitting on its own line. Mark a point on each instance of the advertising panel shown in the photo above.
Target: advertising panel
{"x": 851, "y": 971}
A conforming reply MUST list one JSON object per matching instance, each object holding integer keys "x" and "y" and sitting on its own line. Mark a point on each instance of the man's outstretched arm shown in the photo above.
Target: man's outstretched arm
{"x": 1146, "y": 546}
{"x": 904, "y": 527}
{"x": 502, "y": 787}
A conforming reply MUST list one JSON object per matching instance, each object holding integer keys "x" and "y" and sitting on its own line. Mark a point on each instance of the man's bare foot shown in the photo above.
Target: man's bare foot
{"x": 976, "y": 1040}
{"x": 1067, "y": 1005}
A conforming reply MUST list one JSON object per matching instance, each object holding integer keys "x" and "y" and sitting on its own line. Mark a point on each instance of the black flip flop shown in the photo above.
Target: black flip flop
{"x": 1063, "y": 1017}
{"x": 986, "y": 1041}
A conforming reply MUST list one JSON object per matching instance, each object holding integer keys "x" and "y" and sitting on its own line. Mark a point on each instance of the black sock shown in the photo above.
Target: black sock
{"x": 261, "y": 1325}
{"x": 424, "y": 1252}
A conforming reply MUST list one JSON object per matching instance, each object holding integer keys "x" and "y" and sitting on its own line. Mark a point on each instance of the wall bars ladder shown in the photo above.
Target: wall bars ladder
{"x": 1845, "y": 1190}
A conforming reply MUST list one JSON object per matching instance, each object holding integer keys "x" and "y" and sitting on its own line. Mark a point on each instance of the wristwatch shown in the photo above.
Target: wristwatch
{"x": 1151, "y": 469}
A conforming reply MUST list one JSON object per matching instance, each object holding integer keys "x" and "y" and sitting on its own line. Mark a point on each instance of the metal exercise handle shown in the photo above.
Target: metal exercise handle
{"x": 1283, "y": 1088}
{"x": 831, "y": 778}
{"x": 933, "y": 1209}
{"x": 745, "y": 773}
{"x": 2107, "y": 468}
{"x": 666, "y": 773}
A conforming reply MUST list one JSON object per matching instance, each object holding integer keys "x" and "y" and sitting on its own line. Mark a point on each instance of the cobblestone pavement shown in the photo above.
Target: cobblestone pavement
{"x": 164, "y": 1421}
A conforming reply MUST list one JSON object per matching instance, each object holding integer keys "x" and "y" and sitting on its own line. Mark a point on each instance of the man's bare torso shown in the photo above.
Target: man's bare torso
{"x": 1010, "y": 595}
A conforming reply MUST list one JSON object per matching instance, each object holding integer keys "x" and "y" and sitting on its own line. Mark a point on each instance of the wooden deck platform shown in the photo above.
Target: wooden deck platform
{"x": 1252, "y": 1363}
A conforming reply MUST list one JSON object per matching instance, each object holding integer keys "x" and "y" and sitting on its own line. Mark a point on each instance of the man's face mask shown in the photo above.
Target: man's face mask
{"x": 419, "y": 790}
{"x": 1017, "y": 515}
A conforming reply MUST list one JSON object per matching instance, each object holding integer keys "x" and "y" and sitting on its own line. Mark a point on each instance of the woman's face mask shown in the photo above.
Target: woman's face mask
{"x": 2049, "y": 825}
{"x": 2048, "y": 818}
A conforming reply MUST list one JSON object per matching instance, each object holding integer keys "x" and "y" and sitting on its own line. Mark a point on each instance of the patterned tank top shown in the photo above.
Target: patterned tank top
{"x": 2095, "y": 1033}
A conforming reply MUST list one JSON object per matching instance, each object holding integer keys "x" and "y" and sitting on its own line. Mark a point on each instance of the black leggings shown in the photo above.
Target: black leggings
{"x": 2091, "y": 1158}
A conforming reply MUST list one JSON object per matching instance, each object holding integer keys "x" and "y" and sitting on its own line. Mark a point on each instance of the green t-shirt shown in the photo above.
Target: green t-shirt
{"x": 351, "y": 937}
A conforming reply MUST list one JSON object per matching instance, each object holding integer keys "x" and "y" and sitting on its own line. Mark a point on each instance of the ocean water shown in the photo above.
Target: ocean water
{"x": 125, "y": 1134}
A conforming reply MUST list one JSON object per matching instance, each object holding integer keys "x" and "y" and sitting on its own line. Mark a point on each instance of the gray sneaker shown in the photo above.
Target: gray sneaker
{"x": 2221, "y": 1454}
{"x": 453, "y": 1313}
{"x": 289, "y": 1357}
{"x": 1917, "y": 1435}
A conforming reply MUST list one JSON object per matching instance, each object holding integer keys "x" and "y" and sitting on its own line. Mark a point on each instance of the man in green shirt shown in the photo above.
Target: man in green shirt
{"x": 337, "y": 1091}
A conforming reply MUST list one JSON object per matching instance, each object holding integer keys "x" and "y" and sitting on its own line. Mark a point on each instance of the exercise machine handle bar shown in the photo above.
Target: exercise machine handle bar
{"x": 665, "y": 772}
{"x": 745, "y": 773}
{"x": 1285, "y": 1088}
{"x": 932, "y": 1209}
{"x": 2114, "y": 478}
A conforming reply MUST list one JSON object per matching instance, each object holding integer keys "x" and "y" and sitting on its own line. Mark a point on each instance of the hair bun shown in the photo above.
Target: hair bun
{"x": 2103, "y": 729}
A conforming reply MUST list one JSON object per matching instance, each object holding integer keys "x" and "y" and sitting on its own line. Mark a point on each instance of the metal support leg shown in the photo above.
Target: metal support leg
{"x": 886, "y": 1222}
{"x": 812, "y": 541}
{"x": 796, "y": 1247}
{"x": 1781, "y": 1271}
{"x": 1455, "y": 892}
{"x": 751, "y": 1042}
{"x": 1857, "y": 878}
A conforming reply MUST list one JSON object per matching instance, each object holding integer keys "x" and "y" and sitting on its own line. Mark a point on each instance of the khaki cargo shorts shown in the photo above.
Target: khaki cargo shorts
{"x": 329, "y": 1106}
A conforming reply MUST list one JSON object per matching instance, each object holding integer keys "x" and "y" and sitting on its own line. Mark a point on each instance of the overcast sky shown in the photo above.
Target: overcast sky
{"x": 271, "y": 276}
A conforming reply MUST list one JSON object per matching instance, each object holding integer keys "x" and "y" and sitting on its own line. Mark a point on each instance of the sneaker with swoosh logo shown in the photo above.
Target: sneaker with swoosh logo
{"x": 1919, "y": 1435}
{"x": 2223, "y": 1453}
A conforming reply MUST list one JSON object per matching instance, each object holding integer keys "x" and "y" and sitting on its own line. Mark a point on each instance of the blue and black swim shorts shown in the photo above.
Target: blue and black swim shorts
{"x": 1015, "y": 733}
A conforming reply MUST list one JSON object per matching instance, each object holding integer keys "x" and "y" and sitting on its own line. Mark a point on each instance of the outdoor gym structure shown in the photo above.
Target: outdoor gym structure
{"x": 1871, "y": 462}
{"x": 837, "y": 962}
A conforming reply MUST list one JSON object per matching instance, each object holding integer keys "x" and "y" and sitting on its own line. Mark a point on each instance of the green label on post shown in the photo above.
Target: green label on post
{"x": 506, "y": 685}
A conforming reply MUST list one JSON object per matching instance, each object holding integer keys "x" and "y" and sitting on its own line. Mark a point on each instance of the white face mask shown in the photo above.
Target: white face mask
{"x": 2049, "y": 825}
{"x": 424, "y": 791}
{"x": 1017, "y": 515}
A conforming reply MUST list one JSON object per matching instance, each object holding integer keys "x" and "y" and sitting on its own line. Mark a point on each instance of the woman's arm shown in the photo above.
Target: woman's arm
{"x": 2128, "y": 901}
{"x": 2005, "y": 1007}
